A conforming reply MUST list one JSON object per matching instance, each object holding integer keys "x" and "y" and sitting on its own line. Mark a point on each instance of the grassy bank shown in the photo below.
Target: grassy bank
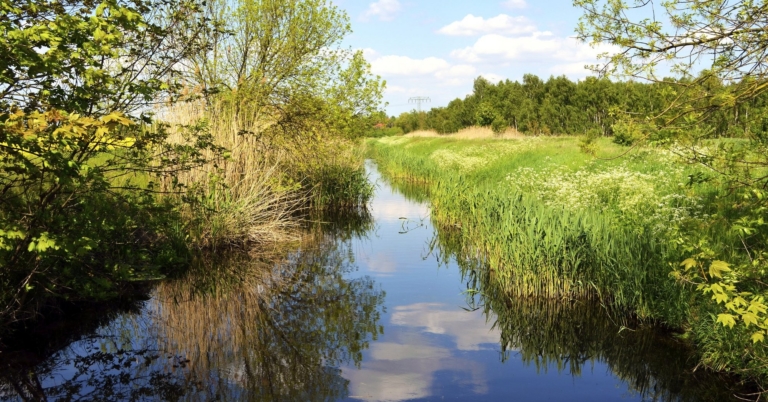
{"x": 547, "y": 220}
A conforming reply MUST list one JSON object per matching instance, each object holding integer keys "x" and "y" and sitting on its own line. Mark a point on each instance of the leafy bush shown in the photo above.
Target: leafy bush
{"x": 485, "y": 115}
{"x": 78, "y": 215}
{"x": 627, "y": 132}
{"x": 499, "y": 125}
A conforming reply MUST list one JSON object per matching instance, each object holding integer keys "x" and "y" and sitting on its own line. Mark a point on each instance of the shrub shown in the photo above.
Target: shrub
{"x": 499, "y": 125}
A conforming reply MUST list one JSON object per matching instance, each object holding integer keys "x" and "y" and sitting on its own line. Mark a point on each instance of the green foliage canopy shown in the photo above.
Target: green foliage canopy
{"x": 92, "y": 57}
{"x": 77, "y": 152}
{"x": 716, "y": 50}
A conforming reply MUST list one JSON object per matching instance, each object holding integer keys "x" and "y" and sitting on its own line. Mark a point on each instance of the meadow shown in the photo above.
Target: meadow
{"x": 548, "y": 220}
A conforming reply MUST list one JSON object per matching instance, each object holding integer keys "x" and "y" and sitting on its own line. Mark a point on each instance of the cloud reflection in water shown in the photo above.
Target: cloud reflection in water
{"x": 406, "y": 368}
{"x": 469, "y": 329}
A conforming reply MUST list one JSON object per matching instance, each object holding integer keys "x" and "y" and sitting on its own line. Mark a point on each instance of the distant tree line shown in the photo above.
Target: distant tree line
{"x": 590, "y": 106}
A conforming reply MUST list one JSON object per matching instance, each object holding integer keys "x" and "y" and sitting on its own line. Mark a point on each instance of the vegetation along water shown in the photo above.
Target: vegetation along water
{"x": 186, "y": 211}
{"x": 373, "y": 306}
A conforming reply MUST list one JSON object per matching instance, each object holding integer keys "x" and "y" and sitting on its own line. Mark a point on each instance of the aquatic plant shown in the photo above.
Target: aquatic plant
{"x": 549, "y": 221}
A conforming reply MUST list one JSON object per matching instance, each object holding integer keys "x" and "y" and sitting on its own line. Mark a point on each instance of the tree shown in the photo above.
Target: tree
{"x": 716, "y": 51}
{"x": 284, "y": 60}
{"x": 77, "y": 150}
{"x": 698, "y": 42}
{"x": 94, "y": 58}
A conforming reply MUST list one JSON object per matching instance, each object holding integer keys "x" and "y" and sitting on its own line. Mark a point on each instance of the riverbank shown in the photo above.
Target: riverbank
{"x": 364, "y": 307}
{"x": 548, "y": 220}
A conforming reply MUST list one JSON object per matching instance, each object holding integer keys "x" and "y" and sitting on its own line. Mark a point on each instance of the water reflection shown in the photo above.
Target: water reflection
{"x": 308, "y": 323}
{"x": 408, "y": 368}
{"x": 468, "y": 331}
{"x": 408, "y": 365}
{"x": 242, "y": 329}
{"x": 572, "y": 336}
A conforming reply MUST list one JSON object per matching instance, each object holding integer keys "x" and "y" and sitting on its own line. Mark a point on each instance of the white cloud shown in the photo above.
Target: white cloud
{"x": 405, "y": 369}
{"x": 500, "y": 24}
{"x": 428, "y": 72}
{"x": 469, "y": 329}
{"x": 397, "y": 89}
{"x": 396, "y": 351}
{"x": 457, "y": 71}
{"x": 385, "y": 10}
{"x": 537, "y": 47}
{"x": 456, "y": 75}
{"x": 391, "y": 209}
{"x": 514, "y": 4}
{"x": 382, "y": 264}
{"x": 369, "y": 53}
{"x": 572, "y": 69}
{"x": 404, "y": 377}
{"x": 403, "y": 65}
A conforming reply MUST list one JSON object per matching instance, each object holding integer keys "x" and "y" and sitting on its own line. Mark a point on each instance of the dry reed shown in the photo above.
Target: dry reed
{"x": 239, "y": 196}
{"x": 470, "y": 133}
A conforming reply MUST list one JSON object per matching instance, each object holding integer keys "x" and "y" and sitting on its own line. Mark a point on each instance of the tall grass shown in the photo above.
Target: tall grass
{"x": 534, "y": 246}
{"x": 540, "y": 251}
{"x": 570, "y": 334}
{"x": 237, "y": 198}
{"x": 468, "y": 133}
{"x": 264, "y": 181}
{"x": 546, "y": 220}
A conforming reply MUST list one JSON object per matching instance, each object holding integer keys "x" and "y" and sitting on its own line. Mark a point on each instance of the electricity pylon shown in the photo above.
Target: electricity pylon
{"x": 418, "y": 100}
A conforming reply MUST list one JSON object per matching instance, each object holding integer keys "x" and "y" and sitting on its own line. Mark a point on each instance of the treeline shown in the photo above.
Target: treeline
{"x": 590, "y": 106}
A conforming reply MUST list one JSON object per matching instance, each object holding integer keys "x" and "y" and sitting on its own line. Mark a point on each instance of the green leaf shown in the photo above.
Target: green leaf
{"x": 758, "y": 337}
{"x": 727, "y": 320}
{"x": 720, "y": 297}
{"x": 717, "y": 268}
{"x": 749, "y": 319}
{"x": 688, "y": 264}
{"x": 757, "y": 308}
{"x": 739, "y": 301}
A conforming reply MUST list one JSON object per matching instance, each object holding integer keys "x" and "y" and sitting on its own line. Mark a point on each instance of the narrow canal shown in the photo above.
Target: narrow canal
{"x": 374, "y": 308}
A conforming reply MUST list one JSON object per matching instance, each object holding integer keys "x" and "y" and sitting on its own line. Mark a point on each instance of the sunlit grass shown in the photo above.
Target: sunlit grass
{"x": 549, "y": 220}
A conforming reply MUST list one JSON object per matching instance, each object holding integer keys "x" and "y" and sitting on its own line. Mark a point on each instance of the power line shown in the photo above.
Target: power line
{"x": 418, "y": 100}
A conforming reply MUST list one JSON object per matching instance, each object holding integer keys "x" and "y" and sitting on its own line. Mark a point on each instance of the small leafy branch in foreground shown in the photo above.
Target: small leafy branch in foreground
{"x": 720, "y": 282}
{"x": 737, "y": 287}
{"x": 79, "y": 213}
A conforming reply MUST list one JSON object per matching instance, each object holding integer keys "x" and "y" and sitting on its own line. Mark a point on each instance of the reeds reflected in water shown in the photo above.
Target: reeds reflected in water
{"x": 572, "y": 335}
{"x": 273, "y": 326}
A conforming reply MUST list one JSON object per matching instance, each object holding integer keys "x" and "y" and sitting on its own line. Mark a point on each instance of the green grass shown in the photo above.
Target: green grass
{"x": 546, "y": 220}
{"x": 521, "y": 204}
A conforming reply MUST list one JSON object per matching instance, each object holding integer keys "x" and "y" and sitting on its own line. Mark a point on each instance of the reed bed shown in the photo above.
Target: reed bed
{"x": 537, "y": 243}
{"x": 572, "y": 336}
{"x": 545, "y": 220}
{"x": 255, "y": 188}
{"x": 238, "y": 197}
{"x": 534, "y": 250}
{"x": 470, "y": 133}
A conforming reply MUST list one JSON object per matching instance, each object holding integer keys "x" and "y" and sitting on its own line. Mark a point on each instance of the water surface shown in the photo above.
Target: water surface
{"x": 379, "y": 307}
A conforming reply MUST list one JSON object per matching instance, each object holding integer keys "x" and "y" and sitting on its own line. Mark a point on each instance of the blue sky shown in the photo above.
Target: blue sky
{"x": 436, "y": 48}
